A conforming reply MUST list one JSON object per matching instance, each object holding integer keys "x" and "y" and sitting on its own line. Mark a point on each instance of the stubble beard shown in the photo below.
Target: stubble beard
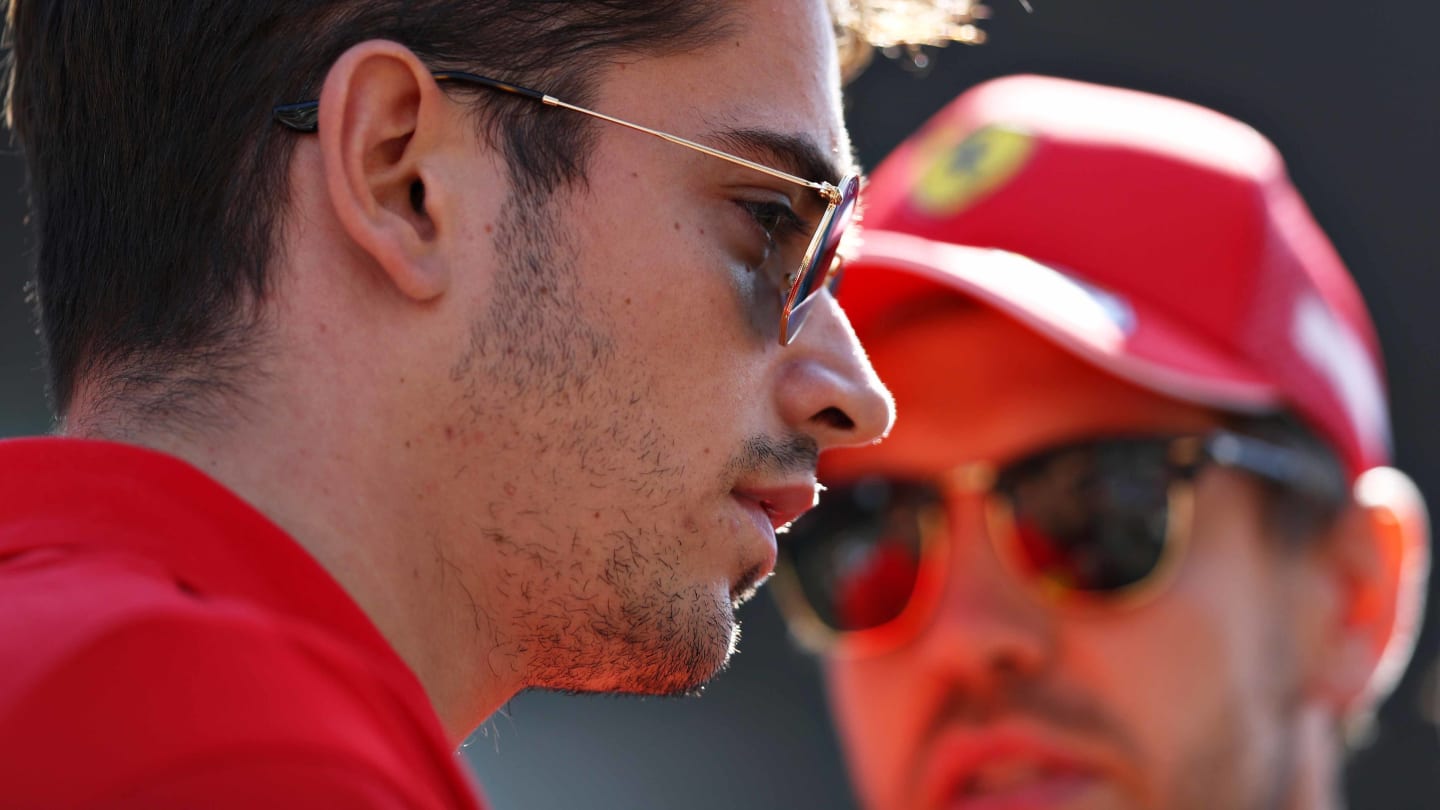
{"x": 585, "y": 604}
{"x": 1245, "y": 758}
{"x": 1250, "y": 757}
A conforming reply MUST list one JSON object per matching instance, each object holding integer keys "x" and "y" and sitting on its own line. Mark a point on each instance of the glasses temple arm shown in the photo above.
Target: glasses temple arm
{"x": 1282, "y": 465}
{"x": 535, "y": 95}
{"x": 829, "y": 191}
{"x": 305, "y": 117}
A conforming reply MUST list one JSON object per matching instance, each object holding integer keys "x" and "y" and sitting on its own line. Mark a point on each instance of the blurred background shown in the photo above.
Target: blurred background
{"x": 1351, "y": 94}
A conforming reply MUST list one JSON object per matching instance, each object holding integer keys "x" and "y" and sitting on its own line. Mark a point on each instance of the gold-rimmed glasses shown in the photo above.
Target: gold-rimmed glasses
{"x": 818, "y": 268}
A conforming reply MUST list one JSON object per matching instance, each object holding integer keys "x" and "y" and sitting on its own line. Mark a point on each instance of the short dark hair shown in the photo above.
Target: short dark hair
{"x": 157, "y": 178}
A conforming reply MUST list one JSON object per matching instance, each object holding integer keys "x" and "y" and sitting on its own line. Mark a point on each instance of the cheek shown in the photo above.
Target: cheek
{"x": 879, "y": 713}
{"x": 1160, "y": 674}
{"x": 684, "y": 353}
{"x": 1188, "y": 675}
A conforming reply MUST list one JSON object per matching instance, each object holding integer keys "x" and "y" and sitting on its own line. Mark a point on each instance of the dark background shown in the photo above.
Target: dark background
{"x": 1349, "y": 93}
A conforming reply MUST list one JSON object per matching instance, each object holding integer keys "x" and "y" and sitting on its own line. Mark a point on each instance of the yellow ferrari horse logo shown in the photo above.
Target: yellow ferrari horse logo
{"x": 952, "y": 176}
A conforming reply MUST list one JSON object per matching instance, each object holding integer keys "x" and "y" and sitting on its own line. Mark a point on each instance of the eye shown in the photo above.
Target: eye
{"x": 776, "y": 219}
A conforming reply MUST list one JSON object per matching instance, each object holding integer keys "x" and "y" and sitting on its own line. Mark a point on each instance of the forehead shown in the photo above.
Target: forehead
{"x": 971, "y": 384}
{"x": 773, "y": 69}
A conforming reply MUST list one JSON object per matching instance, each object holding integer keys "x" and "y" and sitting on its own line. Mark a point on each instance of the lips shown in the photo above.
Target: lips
{"x": 1020, "y": 786}
{"x": 771, "y": 509}
{"x": 781, "y": 505}
{"x": 1004, "y": 769}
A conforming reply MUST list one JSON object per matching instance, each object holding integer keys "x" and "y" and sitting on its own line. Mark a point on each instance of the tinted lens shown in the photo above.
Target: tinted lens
{"x": 1093, "y": 518}
{"x": 856, "y": 557}
{"x": 827, "y": 244}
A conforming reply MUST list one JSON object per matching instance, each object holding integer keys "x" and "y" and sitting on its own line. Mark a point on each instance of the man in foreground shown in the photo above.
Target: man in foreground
{"x": 401, "y": 366}
{"x": 1133, "y": 542}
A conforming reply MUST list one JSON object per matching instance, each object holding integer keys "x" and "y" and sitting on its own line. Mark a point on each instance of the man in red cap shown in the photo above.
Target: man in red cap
{"x": 1133, "y": 542}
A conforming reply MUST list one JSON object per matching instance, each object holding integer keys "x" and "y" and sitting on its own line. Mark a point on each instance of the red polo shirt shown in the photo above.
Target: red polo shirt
{"x": 164, "y": 645}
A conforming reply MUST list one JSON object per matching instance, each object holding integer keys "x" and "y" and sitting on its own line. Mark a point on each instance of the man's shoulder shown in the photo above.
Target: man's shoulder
{"x": 126, "y": 679}
{"x": 99, "y": 614}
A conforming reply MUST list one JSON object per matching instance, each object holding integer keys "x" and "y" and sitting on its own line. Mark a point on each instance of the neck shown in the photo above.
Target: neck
{"x": 349, "y": 504}
{"x": 1319, "y": 763}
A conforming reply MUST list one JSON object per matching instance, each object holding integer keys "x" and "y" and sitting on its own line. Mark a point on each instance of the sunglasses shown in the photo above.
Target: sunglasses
{"x": 1102, "y": 522}
{"x": 817, "y": 268}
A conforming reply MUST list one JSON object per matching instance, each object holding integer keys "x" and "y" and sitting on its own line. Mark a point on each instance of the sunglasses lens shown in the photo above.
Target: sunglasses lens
{"x": 828, "y": 244}
{"x": 1092, "y": 519}
{"x": 856, "y": 557}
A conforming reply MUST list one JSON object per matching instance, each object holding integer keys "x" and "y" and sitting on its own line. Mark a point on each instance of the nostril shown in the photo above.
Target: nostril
{"x": 835, "y": 418}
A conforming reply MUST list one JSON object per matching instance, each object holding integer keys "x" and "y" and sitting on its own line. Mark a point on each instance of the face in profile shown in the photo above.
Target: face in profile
{"x": 1051, "y": 601}
{"x": 628, "y": 430}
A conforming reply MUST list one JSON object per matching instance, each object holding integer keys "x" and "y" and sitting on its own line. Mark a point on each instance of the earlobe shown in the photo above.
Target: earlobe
{"x": 1381, "y": 561}
{"x": 1401, "y": 525}
{"x": 381, "y": 121}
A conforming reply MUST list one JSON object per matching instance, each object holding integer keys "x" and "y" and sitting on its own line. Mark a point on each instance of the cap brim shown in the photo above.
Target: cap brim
{"x": 1126, "y": 338}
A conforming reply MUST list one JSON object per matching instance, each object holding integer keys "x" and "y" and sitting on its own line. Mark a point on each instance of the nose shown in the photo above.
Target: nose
{"x": 985, "y": 629}
{"x": 828, "y": 389}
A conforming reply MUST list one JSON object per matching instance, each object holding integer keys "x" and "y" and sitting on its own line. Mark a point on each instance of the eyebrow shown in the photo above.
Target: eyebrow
{"x": 790, "y": 153}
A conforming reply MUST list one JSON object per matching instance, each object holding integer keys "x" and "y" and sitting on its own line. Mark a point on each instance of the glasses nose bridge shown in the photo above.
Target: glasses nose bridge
{"x": 968, "y": 528}
{"x": 972, "y": 477}
{"x": 968, "y": 490}
{"x": 983, "y": 623}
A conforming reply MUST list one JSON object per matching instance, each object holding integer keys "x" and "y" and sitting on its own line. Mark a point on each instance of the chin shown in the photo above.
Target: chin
{"x": 696, "y": 654}
{"x": 662, "y": 647}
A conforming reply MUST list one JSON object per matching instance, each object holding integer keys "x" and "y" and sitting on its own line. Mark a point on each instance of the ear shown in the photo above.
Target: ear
{"x": 1381, "y": 561}
{"x": 382, "y": 124}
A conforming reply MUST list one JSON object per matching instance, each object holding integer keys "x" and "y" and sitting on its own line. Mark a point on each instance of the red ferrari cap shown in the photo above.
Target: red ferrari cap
{"x": 1159, "y": 240}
